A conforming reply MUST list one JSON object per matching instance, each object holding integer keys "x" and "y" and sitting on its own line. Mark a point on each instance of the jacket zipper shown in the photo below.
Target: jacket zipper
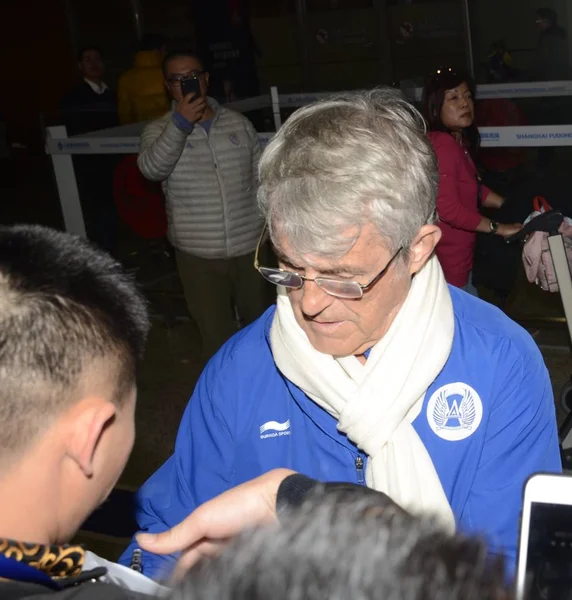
{"x": 359, "y": 470}
{"x": 359, "y": 461}
{"x": 221, "y": 187}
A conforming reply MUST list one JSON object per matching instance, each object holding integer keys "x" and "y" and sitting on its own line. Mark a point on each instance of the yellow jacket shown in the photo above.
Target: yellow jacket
{"x": 141, "y": 94}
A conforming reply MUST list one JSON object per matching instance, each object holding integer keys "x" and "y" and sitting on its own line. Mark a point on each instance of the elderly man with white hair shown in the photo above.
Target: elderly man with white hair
{"x": 369, "y": 369}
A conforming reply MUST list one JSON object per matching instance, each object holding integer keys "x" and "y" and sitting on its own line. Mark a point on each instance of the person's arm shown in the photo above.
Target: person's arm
{"x": 207, "y": 530}
{"x": 200, "y": 468}
{"x": 212, "y": 525}
{"x": 162, "y": 145}
{"x": 503, "y": 229}
{"x": 491, "y": 199}
{"x": 160, "y": 149}
{"x": 521, "y": 439}
{"x": 449, "y": 206}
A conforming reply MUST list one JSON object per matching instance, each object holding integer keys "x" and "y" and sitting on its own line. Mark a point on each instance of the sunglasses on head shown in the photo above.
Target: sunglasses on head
{"x": 442, "y": 72}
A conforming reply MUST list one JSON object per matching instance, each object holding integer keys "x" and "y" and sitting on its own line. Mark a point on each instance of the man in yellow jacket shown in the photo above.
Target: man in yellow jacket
{"x": 141, "y": 90}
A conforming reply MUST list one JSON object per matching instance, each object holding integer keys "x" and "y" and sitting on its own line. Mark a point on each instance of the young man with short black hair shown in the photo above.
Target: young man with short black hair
{"x": 72, "y": 330}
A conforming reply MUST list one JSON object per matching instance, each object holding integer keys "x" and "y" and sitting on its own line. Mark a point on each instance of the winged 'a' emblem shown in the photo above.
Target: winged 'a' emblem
{"x": 454, "y": 411}
{"x": 467, "y": 410}
{"x": 441, "y": 410}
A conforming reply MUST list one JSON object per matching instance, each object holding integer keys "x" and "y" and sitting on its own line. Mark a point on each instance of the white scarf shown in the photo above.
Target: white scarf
{"x": 376, "y": 403}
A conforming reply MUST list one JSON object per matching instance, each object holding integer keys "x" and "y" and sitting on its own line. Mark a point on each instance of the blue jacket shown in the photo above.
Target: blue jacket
{"x": 244, "y": 419}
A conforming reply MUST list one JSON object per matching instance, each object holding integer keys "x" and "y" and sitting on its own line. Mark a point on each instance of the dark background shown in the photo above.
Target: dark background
{"x": 298, "y": 45}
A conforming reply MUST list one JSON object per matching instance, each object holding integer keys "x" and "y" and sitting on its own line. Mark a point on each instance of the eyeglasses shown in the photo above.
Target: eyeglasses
{"x": 348, "y": 290}
{"x": 176, "y": 80}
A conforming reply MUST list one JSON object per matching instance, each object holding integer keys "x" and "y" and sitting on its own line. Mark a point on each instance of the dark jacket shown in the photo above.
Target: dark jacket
{"x": 552, "y": 56}
{"x": 38, "y": 571}
{"x": 84, "y": 110}
{"x": 16, "y": 590}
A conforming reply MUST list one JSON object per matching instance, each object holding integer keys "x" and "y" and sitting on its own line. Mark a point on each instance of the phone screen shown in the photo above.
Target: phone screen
{"x": 191, "y": 86}
{"x": 549, "y": 554}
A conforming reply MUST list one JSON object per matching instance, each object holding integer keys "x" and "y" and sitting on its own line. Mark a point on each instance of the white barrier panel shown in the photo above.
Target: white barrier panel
{"x": 484, "y": 92}
{"x": 85, "y": 145}
{"x": 491, "y": 137}
{"x": 524, "y": 90}
{"x": 90, "y": 144}
{"x": 250, "y": 103}
{"x": 125, "y": 140}
{"x": 528, "y": 137}
{"x": 510, "y": 90}
{"x": 297, "y": 100}
{"x": 67, "y": 185}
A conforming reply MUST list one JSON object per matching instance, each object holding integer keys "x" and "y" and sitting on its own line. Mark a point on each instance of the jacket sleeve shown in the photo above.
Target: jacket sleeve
{"x": 124, "y": 107}
{"x": 160, "y": 149}
{"x": 449, "y": 206}
{"x": 521, "y": 439}
{"x": 485, "y": 191}
{"x": 200, "y": 469}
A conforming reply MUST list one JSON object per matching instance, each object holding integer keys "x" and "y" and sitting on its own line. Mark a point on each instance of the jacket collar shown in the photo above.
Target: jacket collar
{"x": 54, "y": 560}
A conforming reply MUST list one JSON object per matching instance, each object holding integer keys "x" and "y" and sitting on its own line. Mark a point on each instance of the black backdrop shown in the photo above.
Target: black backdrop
{"x": 227, "y": 46}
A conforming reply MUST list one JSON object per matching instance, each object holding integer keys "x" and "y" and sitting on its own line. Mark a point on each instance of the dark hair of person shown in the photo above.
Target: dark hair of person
{"x": 437, "y": 85}
{"x": 550, "y": 15}
{"x": 85, "y": 49}
{"x": 181, "y": 53}
{"x": 69, "y": 314}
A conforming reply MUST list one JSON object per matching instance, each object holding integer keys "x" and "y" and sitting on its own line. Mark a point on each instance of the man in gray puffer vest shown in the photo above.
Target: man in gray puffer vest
{"x": 206, "y": 157}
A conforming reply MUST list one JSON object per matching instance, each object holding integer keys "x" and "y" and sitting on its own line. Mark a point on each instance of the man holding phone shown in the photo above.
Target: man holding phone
{"x": 192, "y": 104}
{"x": 206, "y": 157}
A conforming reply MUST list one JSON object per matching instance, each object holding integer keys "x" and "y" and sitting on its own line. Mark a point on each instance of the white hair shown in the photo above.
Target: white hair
{"x": 355, "y": 158}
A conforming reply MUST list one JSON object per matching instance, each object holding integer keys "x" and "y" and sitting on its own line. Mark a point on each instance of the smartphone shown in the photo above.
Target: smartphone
{"x": 191, "y": 85}
{"x": 544, "y": 570}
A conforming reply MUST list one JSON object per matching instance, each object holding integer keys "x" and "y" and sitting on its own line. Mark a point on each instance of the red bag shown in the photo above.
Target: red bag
{"x": 140, "y": 202}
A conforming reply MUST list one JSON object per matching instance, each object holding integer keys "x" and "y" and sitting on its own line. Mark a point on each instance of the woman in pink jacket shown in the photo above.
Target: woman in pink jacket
{"x": 450, "y": 113}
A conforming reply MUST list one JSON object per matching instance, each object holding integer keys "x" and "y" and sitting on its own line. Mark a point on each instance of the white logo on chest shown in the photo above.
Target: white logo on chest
{"x": 273, "y": 429}
{"x": 454, "y": 412}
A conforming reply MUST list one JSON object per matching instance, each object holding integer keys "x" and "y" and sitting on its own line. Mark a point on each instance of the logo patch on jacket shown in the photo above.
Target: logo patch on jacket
{"x": 454, "y": 412}
{"x": 272, "y": 429}
{"x": 234, "y": 139}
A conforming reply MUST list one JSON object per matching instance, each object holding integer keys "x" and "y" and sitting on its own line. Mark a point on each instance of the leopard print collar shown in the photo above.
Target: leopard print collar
{"x": 53, "y": 560}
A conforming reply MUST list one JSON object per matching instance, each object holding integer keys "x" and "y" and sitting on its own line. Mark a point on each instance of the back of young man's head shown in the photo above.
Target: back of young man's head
{"x": 72, "y": 330}
{"x": 345, "y": 544}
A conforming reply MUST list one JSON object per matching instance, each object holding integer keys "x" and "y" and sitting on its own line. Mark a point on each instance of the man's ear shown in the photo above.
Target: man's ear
{"x": 423, "y": 247}
{"x": 88, "y": 420}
